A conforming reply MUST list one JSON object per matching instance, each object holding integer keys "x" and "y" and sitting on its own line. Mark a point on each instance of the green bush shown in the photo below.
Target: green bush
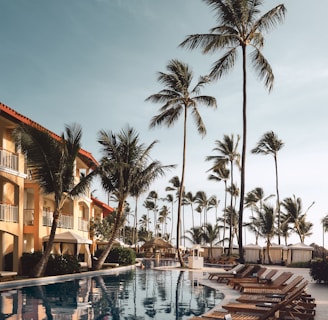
{"x": 62, "y": 264}
{"x": 57, "y": 264}
{"x": 319, "y": 270}
{"x": 28, "y": 261}
{"x": 122, "y": 256}
{"x": 306, "y": 264}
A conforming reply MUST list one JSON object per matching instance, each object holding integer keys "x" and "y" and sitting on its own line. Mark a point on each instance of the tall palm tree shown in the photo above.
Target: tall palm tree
{"x": 271, "y": 144}
{"x": 324, "y": 222}
{"x": 195, "y": 235}
{"x": 52, "y": 162}
{"x": 203, "y": 203}
{"x": 170, "y": 198}
{"x": 221, "y": 173}
{"x": 295, "y": 215}
{"x": 265, "y": 222}
{"x": 178, "y": 98}
{"x": 175, "y": 186}
{"x": 254, "y": 200}
{"x": 210, "y": 234}
{"x": 227, "y": 155}
{"x": 152, "y": 198}
{"x": 239, "y": 25}
{"x": 125, "y": 164}
{"x": 189, "y": 200}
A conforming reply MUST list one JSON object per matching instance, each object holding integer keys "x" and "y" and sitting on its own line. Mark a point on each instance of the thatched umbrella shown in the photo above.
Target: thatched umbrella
{"x": 157, "y": 243}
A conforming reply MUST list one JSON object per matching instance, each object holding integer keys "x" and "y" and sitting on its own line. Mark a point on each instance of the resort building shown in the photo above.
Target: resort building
{"x": 26, "y": 213}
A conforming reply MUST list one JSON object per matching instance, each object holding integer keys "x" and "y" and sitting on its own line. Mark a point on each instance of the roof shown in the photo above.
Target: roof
{"x": 106, "y": 208}
{"x": 67, "y": 237}
{"x": 14, "y": 116}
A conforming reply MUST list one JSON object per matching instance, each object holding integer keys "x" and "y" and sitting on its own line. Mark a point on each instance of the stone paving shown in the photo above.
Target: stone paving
{"x": 318, "y": 291}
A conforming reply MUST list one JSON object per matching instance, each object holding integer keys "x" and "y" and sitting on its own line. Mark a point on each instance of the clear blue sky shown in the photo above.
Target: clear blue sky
{"x": 94, "y": 62}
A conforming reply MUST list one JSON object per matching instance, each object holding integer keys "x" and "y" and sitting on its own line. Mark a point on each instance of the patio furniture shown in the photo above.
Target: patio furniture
{"x": 243, "y": 273}
{"x": 254, "y": 278}
{"x": 235, "y": 269}
{"x": 266, "y": 309}
{"x": 282, "y": 290}
{"x": 279, "y": 281}
{"x": 7, "y": 275}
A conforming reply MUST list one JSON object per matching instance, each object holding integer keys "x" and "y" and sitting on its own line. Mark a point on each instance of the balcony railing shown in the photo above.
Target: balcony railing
{"x": 65, "y": 221}
{"x": 83, "y": 225}
{"x": 28, "y": 217}
{"x": 8, "y": 160}
{"x": 8, "y": 213}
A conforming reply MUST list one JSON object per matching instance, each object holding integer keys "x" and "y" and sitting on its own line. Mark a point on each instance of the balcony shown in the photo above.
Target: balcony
{"x": 8, "y": 213}
{"x": 8, "y": 160}
{"x": 65, "y": 221}
{"x": 28, "y": 217}
{"x": 83, "y": 225}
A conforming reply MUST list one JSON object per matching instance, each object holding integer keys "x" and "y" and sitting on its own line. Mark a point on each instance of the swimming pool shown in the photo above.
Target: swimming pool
{"x": 135, "y": 294}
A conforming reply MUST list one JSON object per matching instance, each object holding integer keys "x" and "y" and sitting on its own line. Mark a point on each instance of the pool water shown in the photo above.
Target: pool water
{"x": 135, "y": 294}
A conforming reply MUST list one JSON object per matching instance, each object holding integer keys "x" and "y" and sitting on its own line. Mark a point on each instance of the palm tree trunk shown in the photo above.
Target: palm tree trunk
{"x": 97, "y": 265}
{"x": 278, "y": 199}
{"x": 40, "y": 267}
{"x": 243, "y": 162}
{"x": 182, "y": 264}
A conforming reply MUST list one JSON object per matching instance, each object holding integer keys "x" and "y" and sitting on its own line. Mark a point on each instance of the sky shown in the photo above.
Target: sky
{"x": 94, "y": 62}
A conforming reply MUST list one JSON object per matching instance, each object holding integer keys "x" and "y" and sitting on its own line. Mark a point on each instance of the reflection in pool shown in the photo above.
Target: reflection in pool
{"x": 135, "y": 294}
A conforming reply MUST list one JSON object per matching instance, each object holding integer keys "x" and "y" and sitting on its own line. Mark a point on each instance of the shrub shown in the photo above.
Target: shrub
{"x": 62, "y": 264}
{"x": 122, "y": 256}
{"x": 57, "y": 264}
{"x": 28, "y": 261}
{"x": 306, "y": 264}
{"x": 319, "y": 270}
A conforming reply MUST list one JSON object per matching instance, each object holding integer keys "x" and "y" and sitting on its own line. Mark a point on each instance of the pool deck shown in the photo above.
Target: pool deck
{"x": 318, "y": 291}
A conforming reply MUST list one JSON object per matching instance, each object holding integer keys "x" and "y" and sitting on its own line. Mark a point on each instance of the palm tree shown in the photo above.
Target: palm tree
{"x": 270, "y": 144}
{"x": 239, "y": 25}
{"x": 152, "y": 198}
{"x": 227, "y": 155}
{"x": 189, "y": 200}
{"x": 52, "y": 161}
{"x": 254, "y": 200}
{"x": 210, "y": 234}
{"x": 124, "y": 166}
{"x": 265, "y": 222}
{"x": 177, "y": 99}
{"x": 324, "y": 222}
{"x": 175, "y": 186}
{"x": 196, "y": 235}
{"x": 169, "y": 198}
{"x": 221, "y": 173}
{"x": 295, "y": 215}
{"x": 203, "y": 203}
{"x": 163, "y": 217}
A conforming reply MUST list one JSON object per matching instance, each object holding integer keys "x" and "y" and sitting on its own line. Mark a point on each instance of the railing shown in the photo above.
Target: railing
{"x": 28, "y": 217}
{"x": 83, "y": 225}
{"x": 8, "y": 213}
{"x": 65, "y": 221}
{"x": 8, "y": 160}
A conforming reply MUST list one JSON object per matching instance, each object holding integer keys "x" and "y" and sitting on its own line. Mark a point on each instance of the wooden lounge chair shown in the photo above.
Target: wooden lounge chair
{"x": 7, "y": 275}
{"x": 236, "y": 269}
{"x": 266, "y": 310}
{"x": 254, "y": 278}
{"x": 221, "y": 316}
{"x": 276, "y": 283}
{"x": 244, "y": 273}
{"x": 274, "y": 296}
{"x": 282, "y": 290}
{"x": 268, "y": 313}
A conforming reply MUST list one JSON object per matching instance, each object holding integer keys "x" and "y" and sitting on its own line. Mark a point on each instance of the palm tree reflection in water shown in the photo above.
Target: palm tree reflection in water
{"x": 141, "y": 294}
